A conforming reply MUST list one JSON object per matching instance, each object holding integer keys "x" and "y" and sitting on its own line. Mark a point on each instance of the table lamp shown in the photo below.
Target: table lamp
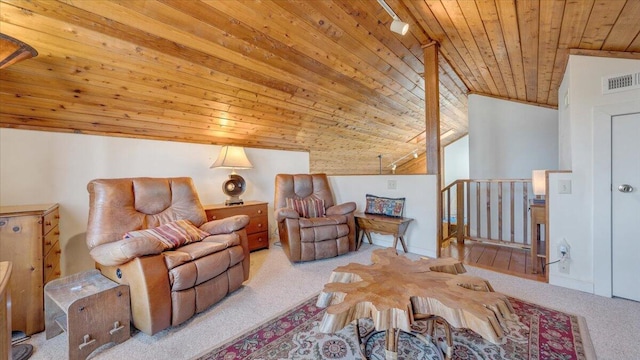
{"x": 539, "y": 181}
{"x": 233, "y": 157}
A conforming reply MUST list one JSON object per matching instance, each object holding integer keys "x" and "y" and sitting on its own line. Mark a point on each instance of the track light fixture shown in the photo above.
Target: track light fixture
{"x": 397, "y": 25}
{"x": 394, "y": 164}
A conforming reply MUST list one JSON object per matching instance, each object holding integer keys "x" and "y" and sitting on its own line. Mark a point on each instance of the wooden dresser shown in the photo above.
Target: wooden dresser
{"x": 258, "y": 228}
{"x": 29, "y": 239}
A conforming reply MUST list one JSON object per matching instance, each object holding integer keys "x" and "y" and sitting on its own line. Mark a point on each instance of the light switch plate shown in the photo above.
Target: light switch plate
{"x": 564, "y": 186}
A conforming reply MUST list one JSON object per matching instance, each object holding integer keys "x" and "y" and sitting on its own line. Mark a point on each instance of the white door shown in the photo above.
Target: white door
{"x": 625, "y": 203}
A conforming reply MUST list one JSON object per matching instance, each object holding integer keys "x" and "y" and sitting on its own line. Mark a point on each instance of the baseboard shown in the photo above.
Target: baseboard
{"x": 412, "y": 249}
{"x": 570, "y": 283}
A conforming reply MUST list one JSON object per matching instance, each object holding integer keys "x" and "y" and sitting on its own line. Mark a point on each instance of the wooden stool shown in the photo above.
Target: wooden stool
{"x": 92, "y": 309}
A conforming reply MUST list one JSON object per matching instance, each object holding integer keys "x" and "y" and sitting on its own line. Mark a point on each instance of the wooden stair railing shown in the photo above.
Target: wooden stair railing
{"x": 493, "y": 211}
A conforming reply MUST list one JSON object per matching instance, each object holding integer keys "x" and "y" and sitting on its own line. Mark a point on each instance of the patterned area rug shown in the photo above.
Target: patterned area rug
{"x": 540, "y": 333}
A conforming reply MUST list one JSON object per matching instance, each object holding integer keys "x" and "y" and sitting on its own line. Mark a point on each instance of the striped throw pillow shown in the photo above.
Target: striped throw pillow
{"x": 173, "y": 234}
{"x": 307, "y": 208}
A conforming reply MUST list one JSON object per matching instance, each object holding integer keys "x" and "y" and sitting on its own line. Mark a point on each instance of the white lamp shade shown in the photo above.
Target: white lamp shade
{"x": 232, "y": 157}
{"x": 538, "y": 179}
{"x": 399, "y": 27}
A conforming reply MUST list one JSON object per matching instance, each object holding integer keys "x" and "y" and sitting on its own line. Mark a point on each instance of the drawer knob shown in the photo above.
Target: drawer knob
{"x": 47, "y": 242}
{"x": 259, "y": 211}
{"x": 57, "y": 216}
{"x": 3, "y": 223}
{"x": 49, "y": 266}
{"x": 58, "y": 252}
{"x": 259, "y": 225}
{"x": 47, "y": 223}
{"x": 16, "y": 229}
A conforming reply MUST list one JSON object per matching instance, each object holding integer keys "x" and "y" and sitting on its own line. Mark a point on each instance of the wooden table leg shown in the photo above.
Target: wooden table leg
{"x": 366, "y": 232}
{"x": 535, "y": 233}
{"x": 361, "y": 346}
{"x": 391, "y": 344}
{"x": 395, "y": 242}
{"x": 404, "y": 246}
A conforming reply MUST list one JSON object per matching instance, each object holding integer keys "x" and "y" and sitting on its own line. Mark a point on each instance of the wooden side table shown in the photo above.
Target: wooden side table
{"x": 385, "y": 225}
{"x": 258, "y": 227}
{"x": 92, "y": 309}
{"x": 538, "y": 217}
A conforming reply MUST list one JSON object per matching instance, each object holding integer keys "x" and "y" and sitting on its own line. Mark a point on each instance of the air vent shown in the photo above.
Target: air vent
{"x": 616, "y": 83}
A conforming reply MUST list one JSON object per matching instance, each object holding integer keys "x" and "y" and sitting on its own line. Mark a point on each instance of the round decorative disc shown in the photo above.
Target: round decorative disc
{"x": 233, "y": 186}
{"x": 230, "y": 186}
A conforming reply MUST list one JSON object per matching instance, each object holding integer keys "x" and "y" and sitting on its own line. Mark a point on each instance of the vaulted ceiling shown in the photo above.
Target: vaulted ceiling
{"x": 324, "y": 76}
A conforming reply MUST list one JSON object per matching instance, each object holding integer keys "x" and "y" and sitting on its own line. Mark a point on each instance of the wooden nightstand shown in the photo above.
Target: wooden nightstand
{"x": 538, "y": 217}
{"x": 258, "y": 227}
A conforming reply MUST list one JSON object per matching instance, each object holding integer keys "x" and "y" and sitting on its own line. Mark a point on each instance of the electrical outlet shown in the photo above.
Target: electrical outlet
{"x": 392, "y": 184}
{"x": 564, "y": 251}
{"x": 565, "y": 256}
{"x": 563, "y": 247}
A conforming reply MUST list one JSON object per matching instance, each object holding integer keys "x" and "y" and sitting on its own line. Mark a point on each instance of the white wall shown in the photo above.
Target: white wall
{"x": 583, "y": 218}
{"x": 507, "y": 140}
{"x": 456, "y": 160}
{"x": 564, "y": 127}
{"x": 44, "y": 167}
{"x": 559, "y": 230}
{"x": 420, "y": 193}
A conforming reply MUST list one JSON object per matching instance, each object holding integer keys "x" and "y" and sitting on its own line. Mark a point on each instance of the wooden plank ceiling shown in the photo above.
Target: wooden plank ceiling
{"x": 324, "y": 76}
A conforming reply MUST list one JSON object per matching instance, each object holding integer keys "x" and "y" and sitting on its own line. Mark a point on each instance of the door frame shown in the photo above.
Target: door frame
{"x": 602, "y": 241}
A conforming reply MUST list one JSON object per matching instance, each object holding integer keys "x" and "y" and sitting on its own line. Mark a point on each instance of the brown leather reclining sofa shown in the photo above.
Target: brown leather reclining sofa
{"x": 169, "y": 281}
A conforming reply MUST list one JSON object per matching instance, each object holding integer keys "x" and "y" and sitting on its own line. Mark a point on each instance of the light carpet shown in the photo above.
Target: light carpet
{"x": 276, "y": 285}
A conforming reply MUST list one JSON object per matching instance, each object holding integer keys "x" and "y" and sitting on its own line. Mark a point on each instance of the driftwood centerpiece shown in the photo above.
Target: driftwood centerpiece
{"x": 394, "y": 288}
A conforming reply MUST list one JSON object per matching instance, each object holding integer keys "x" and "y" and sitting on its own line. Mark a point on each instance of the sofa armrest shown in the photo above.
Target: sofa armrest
{"x": 122, "y": 251}
{"x": 226, "y": 225}
{"x": 342, "y": 209}
{"x": 149, "y": 288}
{"x": 285, "y": 213}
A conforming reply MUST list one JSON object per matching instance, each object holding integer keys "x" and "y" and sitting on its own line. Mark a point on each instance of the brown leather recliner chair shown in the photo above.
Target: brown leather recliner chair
{"x": 311, "y": 237}
{"x": 168, "y": 282}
